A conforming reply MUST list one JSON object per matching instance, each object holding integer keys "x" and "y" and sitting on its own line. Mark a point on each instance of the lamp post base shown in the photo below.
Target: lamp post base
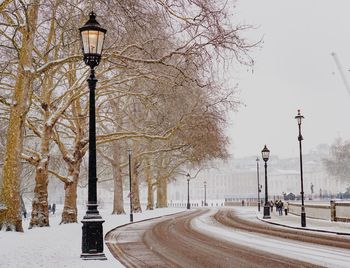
{"x": 267, "y": 212}
{"x": 303, "y": 219}
{"x": 259, "y": 206}
{"x": 93, "y": 256}
{"x": 92, "y": 242}
{"x": 131, "y": 217}
{"x": 188, "y": 206}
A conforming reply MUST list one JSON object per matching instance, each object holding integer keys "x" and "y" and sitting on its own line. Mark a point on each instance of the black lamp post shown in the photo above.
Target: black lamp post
{"x": 92, "y": 37}
{"x": 265, "y": 153}
{"x": 257, "y": 174}
{"x": 130, "y": 194}
{"x": 188, "y": 191}
{"x": 205, "y": 193}
{"x": 299, "y": 118}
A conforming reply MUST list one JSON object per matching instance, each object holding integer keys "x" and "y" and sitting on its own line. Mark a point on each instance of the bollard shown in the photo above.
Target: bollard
{"x": 333, "y": 214}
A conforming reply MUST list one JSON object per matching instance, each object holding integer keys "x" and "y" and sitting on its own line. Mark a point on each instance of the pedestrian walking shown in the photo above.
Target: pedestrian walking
{"x": 280, "y": 207}
{"x": 271, "y": 205}
{"x": 285, "y": 206}
{"x": 53, "y": 208}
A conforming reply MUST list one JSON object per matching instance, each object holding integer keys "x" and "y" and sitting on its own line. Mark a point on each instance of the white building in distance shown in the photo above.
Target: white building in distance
{"x": 237, "y": 179}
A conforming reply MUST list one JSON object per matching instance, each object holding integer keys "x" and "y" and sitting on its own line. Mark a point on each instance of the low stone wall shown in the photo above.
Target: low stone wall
{"x": 335, "y": 211}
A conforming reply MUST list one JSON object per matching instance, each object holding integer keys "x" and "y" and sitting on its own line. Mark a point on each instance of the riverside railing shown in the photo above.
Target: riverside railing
{"x": 334, "y": 211}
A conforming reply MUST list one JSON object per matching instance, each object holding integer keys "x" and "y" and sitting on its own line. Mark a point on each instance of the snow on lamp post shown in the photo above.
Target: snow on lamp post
{"x": 92, "y": 37}
{"x": 265, "y": 153}
{"x": 299, "y": 118}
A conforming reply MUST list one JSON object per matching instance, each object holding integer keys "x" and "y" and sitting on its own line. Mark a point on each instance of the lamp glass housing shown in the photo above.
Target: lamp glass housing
{"x": 92, "y": 41}
{"x": 265, "y": 153}
{"x": 92, "y": 38}
{"x": 299, "y": 117}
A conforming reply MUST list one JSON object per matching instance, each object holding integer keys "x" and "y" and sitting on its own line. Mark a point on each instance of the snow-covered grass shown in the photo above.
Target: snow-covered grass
{"x": 60, "y": 245}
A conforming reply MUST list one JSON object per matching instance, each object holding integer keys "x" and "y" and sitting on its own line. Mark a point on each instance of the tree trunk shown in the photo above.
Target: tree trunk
{"x": 162, "y": 198}
{"x": 135, "y": 197}
{"x": 118, "y": 202}
{"x": 10, "y": 194}
{"x": 70, "y": 211}
{"x": 40, "y": 212}
{"x": 150, "y": 195}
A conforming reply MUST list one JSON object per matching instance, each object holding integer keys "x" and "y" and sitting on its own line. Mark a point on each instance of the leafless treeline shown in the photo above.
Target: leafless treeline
{"x": 159, "y": 93}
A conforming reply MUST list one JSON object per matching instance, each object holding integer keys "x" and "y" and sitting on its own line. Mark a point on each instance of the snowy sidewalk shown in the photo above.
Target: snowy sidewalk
{"x": 294, "y": 221}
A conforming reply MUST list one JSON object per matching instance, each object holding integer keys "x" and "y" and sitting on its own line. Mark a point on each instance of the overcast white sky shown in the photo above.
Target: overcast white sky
{"x": 294, "y": 70}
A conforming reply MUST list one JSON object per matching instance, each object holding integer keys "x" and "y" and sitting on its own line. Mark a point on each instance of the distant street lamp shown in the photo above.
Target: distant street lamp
{"x": 259, "y": 190}
{"x": 92, "y": 37}
{"x": 265, "y": 153}
{"x": 299, "y": 118}
{"x": 205, "y": 193}
{"x": 130, "y": 194}
{"x": 188, "y": 191}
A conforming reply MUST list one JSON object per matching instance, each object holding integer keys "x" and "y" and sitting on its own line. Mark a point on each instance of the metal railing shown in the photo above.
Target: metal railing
{"x": 338, "y": 211}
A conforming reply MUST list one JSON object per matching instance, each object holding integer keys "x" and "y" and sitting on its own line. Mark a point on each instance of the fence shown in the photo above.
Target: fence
{"x": 243, "y": 203}
{"x": 196, "y": 203}
{"x": 334, "y": 211}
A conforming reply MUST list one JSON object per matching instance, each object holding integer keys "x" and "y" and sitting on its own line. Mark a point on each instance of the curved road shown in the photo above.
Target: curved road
{"x": 190, "y": 239}
{"x": 229, "y": 218}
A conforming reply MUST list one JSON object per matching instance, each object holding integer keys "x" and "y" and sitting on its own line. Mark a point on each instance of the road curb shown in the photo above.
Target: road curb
{"x": 129, "y": 223}
{"x": 302, "y": 228}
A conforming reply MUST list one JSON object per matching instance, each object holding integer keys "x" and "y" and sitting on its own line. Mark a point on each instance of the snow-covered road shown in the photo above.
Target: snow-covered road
{"x": 316, "y": 254}
{"x": 174, "y": 241}
{"x": 60, "y": 245}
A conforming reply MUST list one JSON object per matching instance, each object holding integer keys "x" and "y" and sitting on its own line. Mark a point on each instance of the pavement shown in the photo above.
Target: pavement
{"x": 317, "y": 225}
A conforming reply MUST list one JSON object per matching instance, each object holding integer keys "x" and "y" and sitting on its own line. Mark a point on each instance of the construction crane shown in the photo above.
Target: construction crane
{"x": 340, "y": 69}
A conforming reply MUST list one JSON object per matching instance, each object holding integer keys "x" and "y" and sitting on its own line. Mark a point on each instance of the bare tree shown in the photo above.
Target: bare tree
{"x": 337, "y": 164}
{"x": 22, "y": 20}
{"x": 158, "y": 70}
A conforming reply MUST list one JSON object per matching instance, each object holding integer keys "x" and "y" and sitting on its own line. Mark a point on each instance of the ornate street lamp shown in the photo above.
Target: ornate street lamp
{"x": 130, "y": 194}
{"x": 205, "y": 193}
{"x": 188, "y": 191}
{"x": 92, "y": 37}
{"x": 259, "y": 190}
{"x": 299, "y": 118}
{"x": 265, "y": 153}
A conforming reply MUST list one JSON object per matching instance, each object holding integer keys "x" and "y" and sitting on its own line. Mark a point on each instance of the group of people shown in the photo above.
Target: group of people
{"x": 51, "y": 208}
{"x": 279, "y": 206}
